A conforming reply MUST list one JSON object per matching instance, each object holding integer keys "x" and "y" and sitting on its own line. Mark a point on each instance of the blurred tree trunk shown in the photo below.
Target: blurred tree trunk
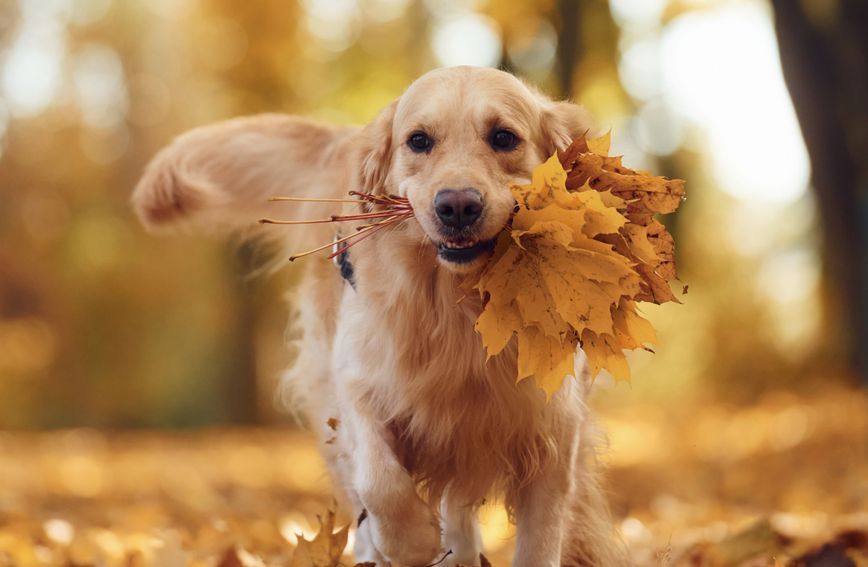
{"x": 259, "y": 83}
{"x": 569, "y": 45}
{"x": 824, "y": 53}
{"x": 240, "y": 390}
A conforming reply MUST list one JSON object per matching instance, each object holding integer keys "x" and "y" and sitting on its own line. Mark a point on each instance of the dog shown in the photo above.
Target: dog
{"x": 417, "y": 426}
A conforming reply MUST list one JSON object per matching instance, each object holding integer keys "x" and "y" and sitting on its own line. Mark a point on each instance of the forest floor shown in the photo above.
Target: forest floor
{"x": 783, "y": 481}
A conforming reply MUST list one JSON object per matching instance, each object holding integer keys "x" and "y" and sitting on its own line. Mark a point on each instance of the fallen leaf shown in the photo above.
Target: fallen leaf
{"x": 237, "y": 557}
{"x": 325, "y": 549}
{"x": 230, "y": 559}
{"x": 757, "y": 539}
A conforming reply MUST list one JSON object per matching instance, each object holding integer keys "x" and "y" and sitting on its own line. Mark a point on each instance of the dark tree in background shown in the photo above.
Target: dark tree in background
{"x": 824, "y": 53}
{"x": 569, "y": 44}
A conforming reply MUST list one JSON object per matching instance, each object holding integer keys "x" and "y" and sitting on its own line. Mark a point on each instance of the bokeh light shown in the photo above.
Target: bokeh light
{"x": 468, "y": 39}
{"x": 333, "y": 22}
{"x": 735, "y": 92}
{"x": 32, "y": 68}
{"x": 100, "y": 86}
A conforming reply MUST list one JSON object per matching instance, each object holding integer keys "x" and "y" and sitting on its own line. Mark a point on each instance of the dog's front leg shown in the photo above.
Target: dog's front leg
{"x": 542, "y": 506}
{"x": 402, "y": 526}
{"x": 461, "y": 533}
{"x": 540, "y": 513}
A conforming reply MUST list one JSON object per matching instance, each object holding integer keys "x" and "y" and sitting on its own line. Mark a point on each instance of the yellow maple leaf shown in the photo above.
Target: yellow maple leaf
{"x": 632, "y": 330}
{"x": 601, "y": 145}
{"x": 547, "y": 359}
{"x": 582, "y": 249}
{"x": 325, "y": 549}
{"x": 604, "y": 351}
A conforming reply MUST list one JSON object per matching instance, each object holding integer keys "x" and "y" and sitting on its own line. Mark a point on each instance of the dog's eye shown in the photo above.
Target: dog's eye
{"x": 420, "y": 142}
{"x": 503, "y": 140}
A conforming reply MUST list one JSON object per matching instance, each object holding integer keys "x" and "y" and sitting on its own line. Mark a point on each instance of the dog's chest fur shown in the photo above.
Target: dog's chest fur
{"x": 423, "y": 370}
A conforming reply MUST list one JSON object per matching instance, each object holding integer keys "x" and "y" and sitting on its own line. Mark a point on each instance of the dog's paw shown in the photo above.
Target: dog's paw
{"x": 411, "y": 537}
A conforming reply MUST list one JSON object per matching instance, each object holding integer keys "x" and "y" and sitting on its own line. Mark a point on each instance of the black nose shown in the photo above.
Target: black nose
{"x": 458, "y": 208}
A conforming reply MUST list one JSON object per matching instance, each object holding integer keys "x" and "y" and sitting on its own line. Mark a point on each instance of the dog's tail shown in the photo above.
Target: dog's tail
{"x": 221, "y": 177}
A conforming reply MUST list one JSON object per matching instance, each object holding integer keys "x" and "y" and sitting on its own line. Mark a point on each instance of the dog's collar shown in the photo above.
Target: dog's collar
{"x": 342, "y": 261}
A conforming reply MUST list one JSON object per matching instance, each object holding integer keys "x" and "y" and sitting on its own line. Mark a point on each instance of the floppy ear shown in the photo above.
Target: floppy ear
{"x": 561, "y": 122}
{"x": 376, "y": 151}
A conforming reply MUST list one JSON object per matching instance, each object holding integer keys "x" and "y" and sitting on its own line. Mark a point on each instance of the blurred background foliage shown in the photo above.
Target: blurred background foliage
{"x": 103, "y": 325}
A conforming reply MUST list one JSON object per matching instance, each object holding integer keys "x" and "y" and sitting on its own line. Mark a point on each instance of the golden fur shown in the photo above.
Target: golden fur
{"x": 396, "y": 359}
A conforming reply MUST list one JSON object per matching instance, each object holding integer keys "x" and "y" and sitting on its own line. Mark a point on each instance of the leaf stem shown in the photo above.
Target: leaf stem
{"x": 363, "y": 234}
{"x": 313, "y": 200}
{"x": 324, "y": 246}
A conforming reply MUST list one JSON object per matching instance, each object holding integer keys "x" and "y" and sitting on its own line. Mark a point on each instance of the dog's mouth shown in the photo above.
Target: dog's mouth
{"x": 463, "y": 250}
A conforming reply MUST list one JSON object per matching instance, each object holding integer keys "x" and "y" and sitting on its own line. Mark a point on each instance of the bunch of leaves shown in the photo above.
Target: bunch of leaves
{"x": 583, "y": 249}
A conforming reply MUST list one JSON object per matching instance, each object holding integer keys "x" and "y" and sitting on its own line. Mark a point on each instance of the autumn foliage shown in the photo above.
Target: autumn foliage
{"x": 583, "y": 249}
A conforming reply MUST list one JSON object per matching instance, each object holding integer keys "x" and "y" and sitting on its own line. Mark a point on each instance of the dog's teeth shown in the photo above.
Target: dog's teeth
{"x": 459, "y": 244}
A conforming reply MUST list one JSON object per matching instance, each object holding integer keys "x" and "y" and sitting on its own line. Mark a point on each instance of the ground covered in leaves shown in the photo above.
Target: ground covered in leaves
{"x": 781, "y": 482}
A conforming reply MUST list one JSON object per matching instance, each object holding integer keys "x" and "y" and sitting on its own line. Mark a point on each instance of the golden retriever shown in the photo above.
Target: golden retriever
{"x": 416, "y": 425}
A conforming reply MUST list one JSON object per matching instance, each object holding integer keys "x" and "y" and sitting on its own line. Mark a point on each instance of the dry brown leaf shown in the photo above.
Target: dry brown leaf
{"x": 230, "y": 559}
{"x": 238, "y": 557}
{"x": 325, "y": 549}
{"x": 643, "y": 192}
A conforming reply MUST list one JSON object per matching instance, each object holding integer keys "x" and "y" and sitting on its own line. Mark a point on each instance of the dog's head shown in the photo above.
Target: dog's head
{"x": 453, "y": 143}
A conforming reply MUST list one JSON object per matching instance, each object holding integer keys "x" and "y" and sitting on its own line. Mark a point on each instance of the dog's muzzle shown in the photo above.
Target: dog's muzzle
{"x": 458, "y": 210}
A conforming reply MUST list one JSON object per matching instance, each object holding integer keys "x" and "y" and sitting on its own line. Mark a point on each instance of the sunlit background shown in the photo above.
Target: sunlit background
{"x": 104, "y": 326}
